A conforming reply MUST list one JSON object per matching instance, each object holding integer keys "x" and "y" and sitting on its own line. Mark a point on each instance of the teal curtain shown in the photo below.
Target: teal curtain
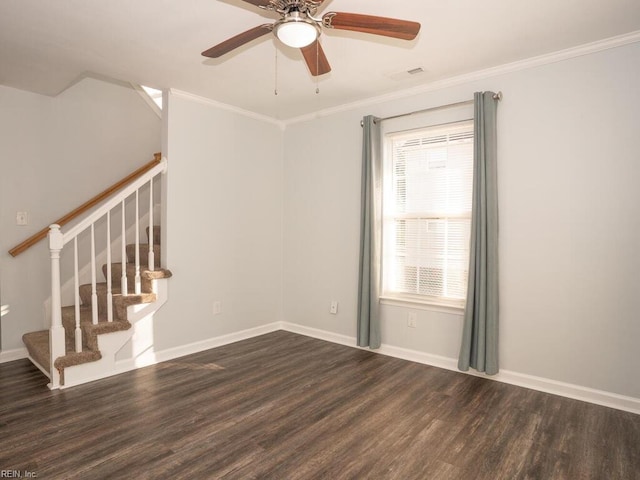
{"x": 370, "y": 232}
{"x": 479, "y": 347}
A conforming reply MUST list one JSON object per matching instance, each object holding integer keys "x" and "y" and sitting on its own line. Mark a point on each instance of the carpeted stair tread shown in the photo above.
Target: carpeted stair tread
{"x": 157, "y": 234}
{"x": 86, "y": 292}
{"x": 146, "y": 276}
{"x": 142, "y": 297}
{"x": 120, "y": 304}
{"x": 144, "y": 253}
{"x": 89, "y": 330}
{"x": 37, "y": 344}
{"x": 116, "y": 276}
{"x": 86, "y": 314}
{"x": 156, "y": 274}
{"x": 73, "y": 358}
{"x": 116, "y": 271}
{"x": 144, "y": 248}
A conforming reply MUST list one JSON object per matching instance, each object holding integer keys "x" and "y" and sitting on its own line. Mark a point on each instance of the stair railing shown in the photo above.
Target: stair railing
{"x": 58, "y": 240}
{"x": 82, "y": 209}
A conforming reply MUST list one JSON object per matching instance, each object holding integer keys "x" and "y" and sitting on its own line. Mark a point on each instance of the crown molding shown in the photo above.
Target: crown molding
{"x": 227, "y": 107}
{"x": 93, "y": 76}
{"x": 546, "y": 59}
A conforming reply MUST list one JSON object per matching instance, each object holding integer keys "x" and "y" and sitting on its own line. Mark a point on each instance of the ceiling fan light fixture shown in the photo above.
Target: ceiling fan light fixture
{"x": 296, "y": 30}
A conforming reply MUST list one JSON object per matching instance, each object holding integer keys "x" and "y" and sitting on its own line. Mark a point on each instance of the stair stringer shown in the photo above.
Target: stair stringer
{"x": 140, "y": 317}
{"x": 39, "y": 367}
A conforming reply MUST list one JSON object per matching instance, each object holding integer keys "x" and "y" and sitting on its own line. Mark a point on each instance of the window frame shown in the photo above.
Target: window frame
{"x": 397, "y": 129}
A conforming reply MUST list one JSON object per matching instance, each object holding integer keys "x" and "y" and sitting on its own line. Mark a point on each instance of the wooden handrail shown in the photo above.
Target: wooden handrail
{"x": 32, "y": 240}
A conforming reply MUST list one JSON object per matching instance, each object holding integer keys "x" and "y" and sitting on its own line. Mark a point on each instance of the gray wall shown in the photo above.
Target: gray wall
{"x": 569, "y": 222}
{"x": 224, "y": 223}
{"x": 266, "y": 221}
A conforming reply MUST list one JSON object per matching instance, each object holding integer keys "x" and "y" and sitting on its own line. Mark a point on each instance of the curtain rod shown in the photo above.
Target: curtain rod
{"x": 497, "y": 96}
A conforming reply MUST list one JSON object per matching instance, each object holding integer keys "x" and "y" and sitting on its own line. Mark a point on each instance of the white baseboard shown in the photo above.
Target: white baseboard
{"x": 577, "y": 392}
{"x": 151, "y": 358}
{"x": 214, "y": 342}
{"x": 569, "y": 390}
{"x": 11, "y": 355}
{"x": 389, "y": 350}
{"x": 319, "y": 334}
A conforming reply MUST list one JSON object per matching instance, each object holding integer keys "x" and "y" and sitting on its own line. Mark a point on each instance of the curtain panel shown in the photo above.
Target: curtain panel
{"x": 479, "y": 346}
{"x": 370, "y": 236}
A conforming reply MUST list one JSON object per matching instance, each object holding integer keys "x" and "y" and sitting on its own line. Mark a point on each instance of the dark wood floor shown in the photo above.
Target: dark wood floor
{"x": 285, "y": 406}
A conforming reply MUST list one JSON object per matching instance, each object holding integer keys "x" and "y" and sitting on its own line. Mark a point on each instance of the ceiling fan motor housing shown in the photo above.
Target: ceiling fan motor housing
{"x": 285, "y": 7}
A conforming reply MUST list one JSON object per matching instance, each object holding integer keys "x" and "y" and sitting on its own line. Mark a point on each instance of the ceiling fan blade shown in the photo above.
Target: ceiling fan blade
{"x": 258, "y": 3}
{"x": 316, "y": 59}
{"x": 388, "y": 27}
{"x": 237, "y": 41}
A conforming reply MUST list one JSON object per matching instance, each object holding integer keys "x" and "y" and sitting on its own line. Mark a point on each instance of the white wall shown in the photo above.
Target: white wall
{"x": 569, "y": 222}
{"x": 55, "y": 154}
{"x": 224, "y": 223}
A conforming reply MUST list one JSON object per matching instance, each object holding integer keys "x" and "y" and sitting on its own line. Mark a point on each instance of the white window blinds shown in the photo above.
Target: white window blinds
{"x": 427, "y": 212}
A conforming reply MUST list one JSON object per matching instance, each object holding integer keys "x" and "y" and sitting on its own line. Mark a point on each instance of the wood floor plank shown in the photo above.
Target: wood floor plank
{"x": 285, "y": 406}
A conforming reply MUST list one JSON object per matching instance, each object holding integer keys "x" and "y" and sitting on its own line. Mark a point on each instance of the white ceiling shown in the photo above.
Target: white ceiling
{"x": 47, "y": 45}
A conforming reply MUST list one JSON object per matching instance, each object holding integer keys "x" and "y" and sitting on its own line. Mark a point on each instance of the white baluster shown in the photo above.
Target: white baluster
{"x": 109, "y": 292}
{"x": 94, "y": 293}
{"x": 56, "y": 332}
{"x": 76, "y": 284}
{"x": 151, "y": 260}
{"x": 123, "y": 281}
{"x": 137, "y": 284}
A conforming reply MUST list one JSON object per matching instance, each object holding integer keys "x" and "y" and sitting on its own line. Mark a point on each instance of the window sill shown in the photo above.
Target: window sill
{"x": 421, "y": 304}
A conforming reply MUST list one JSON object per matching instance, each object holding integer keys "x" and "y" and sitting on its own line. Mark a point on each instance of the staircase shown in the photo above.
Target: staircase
{"x": 85, "y": 338}
{"x": 37, "y": 343}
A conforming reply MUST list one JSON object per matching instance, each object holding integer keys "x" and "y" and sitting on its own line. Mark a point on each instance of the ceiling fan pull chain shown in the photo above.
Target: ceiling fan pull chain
{"x": 317, "y": 65}
{"x": 275, "y": 81}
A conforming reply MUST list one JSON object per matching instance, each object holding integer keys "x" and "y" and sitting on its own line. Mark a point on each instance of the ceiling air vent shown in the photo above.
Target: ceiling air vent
{"x": 406, "y": 74}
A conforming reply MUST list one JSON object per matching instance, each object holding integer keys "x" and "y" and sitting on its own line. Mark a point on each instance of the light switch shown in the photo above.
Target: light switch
{"x": 22, "y": 218}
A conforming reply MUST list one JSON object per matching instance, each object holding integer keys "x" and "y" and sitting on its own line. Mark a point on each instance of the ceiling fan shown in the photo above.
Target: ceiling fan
{"x": 298, "y": 27}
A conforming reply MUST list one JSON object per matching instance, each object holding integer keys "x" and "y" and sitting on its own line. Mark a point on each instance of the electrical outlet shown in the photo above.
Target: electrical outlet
{"x": 412, "y": 319}
{"x": 217, "y": 307}
{"x": 333, "y": 310}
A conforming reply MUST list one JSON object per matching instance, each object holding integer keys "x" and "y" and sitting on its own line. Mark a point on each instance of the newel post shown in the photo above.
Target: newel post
{"x": 56, "y": 333}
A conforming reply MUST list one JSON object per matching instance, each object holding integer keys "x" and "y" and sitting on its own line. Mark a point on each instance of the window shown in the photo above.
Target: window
{"x": 427, "y": 213}
{"x": 154, "y": 94}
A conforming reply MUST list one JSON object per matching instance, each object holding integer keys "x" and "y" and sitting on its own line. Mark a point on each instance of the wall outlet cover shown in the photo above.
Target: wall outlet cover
{"x": 333, "y": 310}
